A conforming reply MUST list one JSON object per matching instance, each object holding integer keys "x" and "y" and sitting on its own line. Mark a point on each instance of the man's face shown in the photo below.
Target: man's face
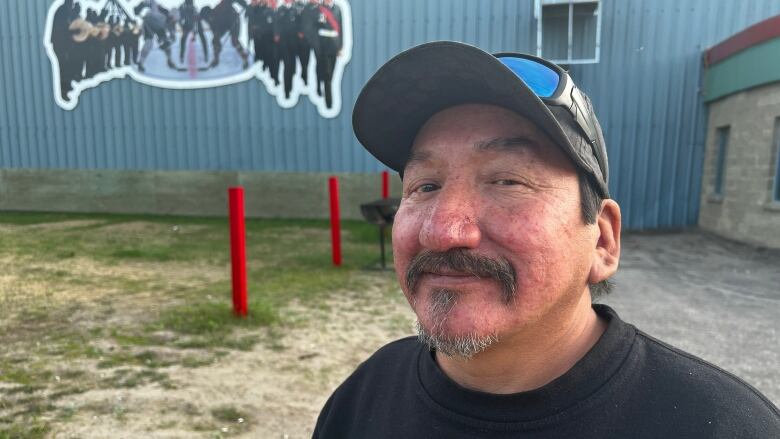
{"x": 486, "y": 184}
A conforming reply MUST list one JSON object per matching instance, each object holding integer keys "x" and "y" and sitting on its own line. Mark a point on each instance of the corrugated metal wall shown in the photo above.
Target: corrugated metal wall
{"x": 645, "y": 90}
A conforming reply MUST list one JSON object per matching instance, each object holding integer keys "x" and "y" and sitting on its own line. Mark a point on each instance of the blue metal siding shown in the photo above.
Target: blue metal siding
{"x": 645, "y": 90}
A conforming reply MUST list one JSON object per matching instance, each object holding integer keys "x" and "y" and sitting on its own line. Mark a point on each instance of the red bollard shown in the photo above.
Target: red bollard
{"x": 335, "y": 222}
{"x": 385, "y": 184}
{"x": 238, "y": 250}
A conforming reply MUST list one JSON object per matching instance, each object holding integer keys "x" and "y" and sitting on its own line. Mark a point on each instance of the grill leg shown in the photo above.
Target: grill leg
{"x": 382, "y": 244}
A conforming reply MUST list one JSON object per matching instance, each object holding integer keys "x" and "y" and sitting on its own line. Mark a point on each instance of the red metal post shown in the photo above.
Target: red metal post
{"x": 335, "y": 222}
{"x": 385, "y": 184}
{"x": 238, "y": 250}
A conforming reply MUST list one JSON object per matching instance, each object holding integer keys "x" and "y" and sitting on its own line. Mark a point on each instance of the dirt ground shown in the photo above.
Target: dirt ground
{"x": 273, "y": 389}
{"x": 714, "y": 298}
{"x": 280, "y": 390}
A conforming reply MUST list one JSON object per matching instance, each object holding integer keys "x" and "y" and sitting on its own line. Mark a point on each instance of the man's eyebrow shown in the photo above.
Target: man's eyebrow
{"x": 506, "y": 143}
{"x": 498, "y": 143}
{"x": 416, "y": 157}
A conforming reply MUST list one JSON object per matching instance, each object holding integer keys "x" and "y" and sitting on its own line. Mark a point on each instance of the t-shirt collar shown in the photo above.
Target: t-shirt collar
{"x": 585, "y": 378}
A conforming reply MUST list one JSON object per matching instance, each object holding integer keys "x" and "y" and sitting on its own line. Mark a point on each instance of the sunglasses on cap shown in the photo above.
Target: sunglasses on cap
{"x": 552, "y": 85}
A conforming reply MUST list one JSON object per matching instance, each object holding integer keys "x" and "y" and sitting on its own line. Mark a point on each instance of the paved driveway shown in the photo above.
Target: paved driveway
{"x": 713, "y": 298}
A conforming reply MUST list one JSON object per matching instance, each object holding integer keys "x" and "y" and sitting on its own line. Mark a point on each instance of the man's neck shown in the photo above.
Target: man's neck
{"x": 531, "y": 359}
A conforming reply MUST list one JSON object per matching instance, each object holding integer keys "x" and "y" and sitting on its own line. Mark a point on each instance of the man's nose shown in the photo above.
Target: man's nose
{"x": 452, "y": 221}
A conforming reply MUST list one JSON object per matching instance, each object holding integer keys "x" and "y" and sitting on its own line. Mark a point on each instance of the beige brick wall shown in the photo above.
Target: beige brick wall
{"x": 746, "y": 211}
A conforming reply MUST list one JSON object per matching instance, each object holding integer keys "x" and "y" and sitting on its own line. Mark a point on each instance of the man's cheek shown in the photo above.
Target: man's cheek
{"x": 405, "y": 242}
{"x": 406, "y": 232}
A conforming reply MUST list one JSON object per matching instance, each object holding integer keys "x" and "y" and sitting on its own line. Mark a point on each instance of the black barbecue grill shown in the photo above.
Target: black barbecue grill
{"x": 381, "y": 212}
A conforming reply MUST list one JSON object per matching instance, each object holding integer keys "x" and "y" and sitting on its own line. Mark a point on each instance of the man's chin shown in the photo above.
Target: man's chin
{"x": 452, "y": 344}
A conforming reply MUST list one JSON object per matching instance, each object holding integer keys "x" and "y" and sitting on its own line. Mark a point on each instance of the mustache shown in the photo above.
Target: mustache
{"x": 463, "y": 261}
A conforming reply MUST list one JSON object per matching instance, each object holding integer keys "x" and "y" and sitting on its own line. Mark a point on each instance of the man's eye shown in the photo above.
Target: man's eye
{"x": 428, "y": 187}
{"x": 506, "y": 182}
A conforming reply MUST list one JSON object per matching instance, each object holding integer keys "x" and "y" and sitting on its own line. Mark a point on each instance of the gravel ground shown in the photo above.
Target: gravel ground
{"x": 714, "y": 298}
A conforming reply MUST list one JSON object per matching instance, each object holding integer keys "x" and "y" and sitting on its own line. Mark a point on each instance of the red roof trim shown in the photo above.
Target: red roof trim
{"x": 758, "y": 33}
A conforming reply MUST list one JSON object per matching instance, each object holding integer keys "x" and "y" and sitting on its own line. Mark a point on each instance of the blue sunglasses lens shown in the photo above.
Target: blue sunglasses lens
{"x": 541, "y": 79}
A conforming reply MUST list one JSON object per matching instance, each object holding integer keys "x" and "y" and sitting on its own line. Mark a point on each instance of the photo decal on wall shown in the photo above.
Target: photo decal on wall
{"x": 296, "y": 48}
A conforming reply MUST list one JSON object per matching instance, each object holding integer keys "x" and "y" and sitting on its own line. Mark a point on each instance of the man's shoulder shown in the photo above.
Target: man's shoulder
{"x": 373, "y": 389}
{"x": 682, "y": 382}
{"x": 392, "y": 355}
{"x": 392, "y": 361}
{"x": 676, "y": 364}
{"x": 403, "y": 345}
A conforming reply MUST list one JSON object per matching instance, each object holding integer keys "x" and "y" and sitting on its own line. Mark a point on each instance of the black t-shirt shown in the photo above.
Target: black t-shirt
{"x": 628, "y": 386}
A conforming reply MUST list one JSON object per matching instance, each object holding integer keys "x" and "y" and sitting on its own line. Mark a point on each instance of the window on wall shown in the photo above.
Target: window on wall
{"x": 721, "y": 143}
{"x": 568, "y": 31}
{"x": 776, "y": 150}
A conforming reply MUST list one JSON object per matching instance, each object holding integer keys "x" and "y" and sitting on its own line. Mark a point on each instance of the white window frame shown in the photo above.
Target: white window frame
{"x": 538, "y": 15}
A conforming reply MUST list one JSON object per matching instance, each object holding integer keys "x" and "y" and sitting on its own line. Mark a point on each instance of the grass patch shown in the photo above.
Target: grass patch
{"x": 30, "y": 376}
{"x": 214, "y": 320}
{"x": 242, "y": 343}
{"x": 148, "y": 358}
{"x": 24, "y": 388}
{"x": 130, "y": 378}
{"x": 212, "y": 324}
{"x": 126, "y": 339}
{"x": 75, "y": 390}
{"x": 30, "y": 218}
{"x": 228, "y": 413}
{"x": 191, "y": 361}
{"x": 24, "y": 430}
{"x": 207, "y": 318}
{"x": 230, "y": 419}
{"x": 158, "y": 254}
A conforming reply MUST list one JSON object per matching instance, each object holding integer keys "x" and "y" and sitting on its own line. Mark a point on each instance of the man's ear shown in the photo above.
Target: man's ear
{"x": 607, "y": 251}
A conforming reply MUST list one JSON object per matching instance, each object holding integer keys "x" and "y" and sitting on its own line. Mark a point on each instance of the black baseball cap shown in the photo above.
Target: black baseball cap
{"x": 419, "y": 82}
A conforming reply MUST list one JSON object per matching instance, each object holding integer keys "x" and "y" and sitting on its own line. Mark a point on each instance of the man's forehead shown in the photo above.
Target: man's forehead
{"x": 479, "y": 127}
{"x": 517, "y": 145}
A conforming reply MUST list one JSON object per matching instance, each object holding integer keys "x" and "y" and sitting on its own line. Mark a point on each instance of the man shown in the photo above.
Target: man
{"x": 113, "y": 47}
{"x": 80, "y": 34}
{"x": 331, "y": 40}
{"x": 130, "y": 41}
{"x": 286, "y": 37}
{"x": 308, "y": 24}
{"x": 189, "y": 20}
{"x": 261, "y": 31}
{"x": 94, "y": 46}
{"x": 63, "y": 45}
{"x": 504, "y": 233}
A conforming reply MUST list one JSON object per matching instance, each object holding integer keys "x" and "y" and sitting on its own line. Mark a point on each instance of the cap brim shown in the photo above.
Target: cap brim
{"x": 416, "y": 84}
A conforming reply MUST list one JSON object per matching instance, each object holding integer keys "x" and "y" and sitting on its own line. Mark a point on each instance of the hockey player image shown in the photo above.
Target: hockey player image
{"x": 224, "y": 20}
{"x": 154, "y": 24}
